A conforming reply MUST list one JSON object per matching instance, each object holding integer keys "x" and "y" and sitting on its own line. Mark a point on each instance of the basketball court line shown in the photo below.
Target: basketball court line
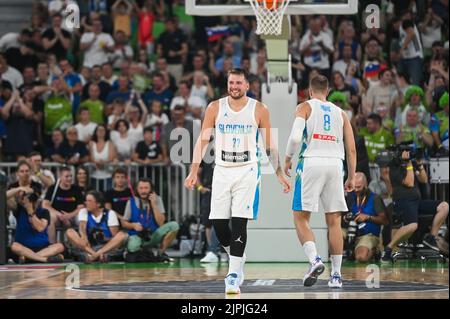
{"x": 15, "y": 284}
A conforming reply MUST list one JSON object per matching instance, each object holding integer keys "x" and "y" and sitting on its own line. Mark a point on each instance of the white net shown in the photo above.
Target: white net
{"x": 269, "y": 17}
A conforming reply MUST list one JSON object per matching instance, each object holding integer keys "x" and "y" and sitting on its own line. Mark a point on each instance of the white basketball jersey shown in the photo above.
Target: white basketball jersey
{"x": 236, "y": 134}
{"x": 324, "y": 132}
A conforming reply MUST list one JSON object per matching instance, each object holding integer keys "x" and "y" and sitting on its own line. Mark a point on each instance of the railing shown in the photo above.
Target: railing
{"x": 168, "y": 181}
{"x": 9, "y": 168}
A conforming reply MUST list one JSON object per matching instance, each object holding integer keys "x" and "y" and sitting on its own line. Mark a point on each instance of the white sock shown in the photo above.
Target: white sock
{"x": 336, "y": 261}
{"x": 227, "y": 249}
{"x": 310, "y": 251}
{"x": 234, "y": 265}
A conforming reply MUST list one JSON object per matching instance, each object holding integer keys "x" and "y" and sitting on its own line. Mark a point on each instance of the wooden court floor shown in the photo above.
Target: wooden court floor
{"x": 179, "y": 279}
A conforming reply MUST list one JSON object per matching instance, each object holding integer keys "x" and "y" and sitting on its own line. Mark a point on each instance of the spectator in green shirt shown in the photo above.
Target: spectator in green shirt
{"x": 414, "y": 130}
{"x": 376, "y": 137}
{"x": 94, "y": 105}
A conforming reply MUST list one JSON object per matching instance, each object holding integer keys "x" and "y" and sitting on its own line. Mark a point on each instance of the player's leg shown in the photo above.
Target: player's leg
{"x": 245, "y": 205}
{"x": 309, "y": 182}
{"x": 336, "y": 245}
{"x": 220, "y": 214}
{"x": 333, "y": 200}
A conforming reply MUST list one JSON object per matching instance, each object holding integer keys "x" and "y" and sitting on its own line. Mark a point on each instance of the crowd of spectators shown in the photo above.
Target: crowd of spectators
{"x": 115, "y": 89}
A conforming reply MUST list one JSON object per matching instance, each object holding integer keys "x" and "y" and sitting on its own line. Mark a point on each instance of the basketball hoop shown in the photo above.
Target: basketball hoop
{"x": 269, "y": 15}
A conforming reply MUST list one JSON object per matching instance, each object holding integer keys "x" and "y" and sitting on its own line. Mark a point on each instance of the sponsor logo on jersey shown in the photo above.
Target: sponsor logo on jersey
{"x": 236, "y": 157}
{"x": 324, "y": 137}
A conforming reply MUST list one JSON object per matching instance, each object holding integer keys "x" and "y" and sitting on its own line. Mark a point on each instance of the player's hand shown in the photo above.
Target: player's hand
{"x": 190, "y": 181}
{"x": 287, "y": 167}
{"x": 286, "y": 184}
{"x": 349, "y": 185}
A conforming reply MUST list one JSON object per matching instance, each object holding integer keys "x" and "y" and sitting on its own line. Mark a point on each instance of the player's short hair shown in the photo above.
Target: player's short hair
{"x": 238, "y": 71}
{"x": 319, "y": 83}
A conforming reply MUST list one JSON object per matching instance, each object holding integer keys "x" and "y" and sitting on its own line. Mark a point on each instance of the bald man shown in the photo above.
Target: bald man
{"x": 369, "y": 212}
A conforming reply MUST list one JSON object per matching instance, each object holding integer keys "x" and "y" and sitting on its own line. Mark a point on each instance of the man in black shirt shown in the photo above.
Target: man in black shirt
{"x": 408, "y": 203}
{"x": 148, "y": 151}
{"x": 72, "y": 151}
{"x": 55, "y": 39}
{"x": 117, "y": 197}
{"x": 63, "y": 200}
{"x": 172, "y": 45}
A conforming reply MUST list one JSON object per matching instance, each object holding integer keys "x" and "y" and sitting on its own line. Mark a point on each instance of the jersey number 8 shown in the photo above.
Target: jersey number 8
{"x": 326, "y": 122}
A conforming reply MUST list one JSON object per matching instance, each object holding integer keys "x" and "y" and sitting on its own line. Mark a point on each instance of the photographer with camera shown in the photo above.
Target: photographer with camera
{"x": 367, "y": 213}
{"x": 31, "y": 238}
{"x": 405, "y": 173}
{"x": 99, "y": 236}
{"x": 24, "y": 184}
{"x": 146, "y": 221}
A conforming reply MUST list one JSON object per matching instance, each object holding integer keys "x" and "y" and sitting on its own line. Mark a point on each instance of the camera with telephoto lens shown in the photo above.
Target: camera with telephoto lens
{"x": 353, "y": 229}
{"x": 96, "y": 236}
{"x": 145, "y": 235}
{"x": 393, "y": 154}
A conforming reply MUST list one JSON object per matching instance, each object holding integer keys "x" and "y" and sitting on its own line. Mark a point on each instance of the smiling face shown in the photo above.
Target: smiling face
{"x": 237, "y": 86}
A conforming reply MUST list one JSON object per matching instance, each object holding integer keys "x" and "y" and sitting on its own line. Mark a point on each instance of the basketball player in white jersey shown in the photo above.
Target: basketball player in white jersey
{"x": 236, "y": 120}
{"x": 324, "y": 131}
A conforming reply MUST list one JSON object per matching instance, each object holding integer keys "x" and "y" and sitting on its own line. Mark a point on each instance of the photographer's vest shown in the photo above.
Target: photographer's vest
{"x": 102, "y": 225}
{"x": 26, "y": 235}
{"x": 367, "y": 208}
{"x": 143, "y": 216}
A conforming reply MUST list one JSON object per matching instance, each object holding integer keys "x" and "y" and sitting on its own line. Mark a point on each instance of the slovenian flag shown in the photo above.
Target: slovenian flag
{"x": 372, "y": 69}
{"x": 216, "y": 33}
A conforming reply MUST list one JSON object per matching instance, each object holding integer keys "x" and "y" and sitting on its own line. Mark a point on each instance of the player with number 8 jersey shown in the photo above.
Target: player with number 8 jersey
{"x": 326, "y": 136}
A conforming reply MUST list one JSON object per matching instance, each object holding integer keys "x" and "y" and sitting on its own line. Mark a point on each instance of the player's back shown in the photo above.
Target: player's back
{"x": 324, "y": 131}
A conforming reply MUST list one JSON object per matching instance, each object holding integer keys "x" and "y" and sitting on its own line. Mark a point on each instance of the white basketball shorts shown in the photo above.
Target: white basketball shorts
{"x": 235, "y": 192}
{"x": 317, "y": 179}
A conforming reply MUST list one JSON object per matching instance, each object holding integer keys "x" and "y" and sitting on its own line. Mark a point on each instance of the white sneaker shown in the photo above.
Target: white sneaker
{"x": 335, "y": 281}
{"x": 315, "y": 270}
{"x": 210, "y": 258}
{"x": 241, "y": 274}
{"x": 232, "y": 284}
{"x": 224, "y": 257}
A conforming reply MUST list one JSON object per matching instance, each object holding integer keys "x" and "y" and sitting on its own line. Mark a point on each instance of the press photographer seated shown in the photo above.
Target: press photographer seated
{"x": 367, "y": 214}
{"x": 405, "y": 174}
{"x": 146, "y": 221}
{"x": 98, "y": 234}
{"x": 31, "y": 240}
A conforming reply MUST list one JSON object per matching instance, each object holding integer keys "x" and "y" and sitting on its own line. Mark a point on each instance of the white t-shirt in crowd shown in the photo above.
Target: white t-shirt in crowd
{"x": 8, "y": 41}
{"x": 95, "y": 55}
{"x": 85, "y": 130}
{"x": 13, "y": 76}
{"x": 318, "y": 57}
{"x": 153, "y": 119}
{"x": 112, "y": 217}
{"x": 124, "y": 146}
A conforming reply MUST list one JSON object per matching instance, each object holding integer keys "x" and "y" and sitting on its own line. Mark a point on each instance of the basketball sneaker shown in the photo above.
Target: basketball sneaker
{"x": 335, "y": 281}
{"x": 430, "y": 241}
{"x": 386, "y": 256}
{"x": 315, "y": 270}
{"x": 232, "y": 284}
{"x": 210, "y": 258}
{"x": 241, "y": 273}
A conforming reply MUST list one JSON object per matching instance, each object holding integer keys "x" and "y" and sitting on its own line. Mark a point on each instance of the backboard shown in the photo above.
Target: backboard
{"x": 296, "y": 7}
